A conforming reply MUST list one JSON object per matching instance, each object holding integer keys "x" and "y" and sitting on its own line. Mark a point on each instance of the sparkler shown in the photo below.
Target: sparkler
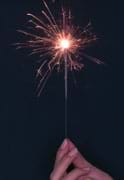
{"x": 59, "y": 44}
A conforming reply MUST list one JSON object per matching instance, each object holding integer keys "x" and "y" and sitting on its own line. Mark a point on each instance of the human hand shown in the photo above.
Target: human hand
{"x": 83, "y": 170}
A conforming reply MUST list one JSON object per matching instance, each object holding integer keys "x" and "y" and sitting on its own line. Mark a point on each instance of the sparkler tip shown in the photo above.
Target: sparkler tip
{"x": 65, "y": 44}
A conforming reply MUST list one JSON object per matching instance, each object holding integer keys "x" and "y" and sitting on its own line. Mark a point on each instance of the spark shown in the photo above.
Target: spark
{"x": 59, "y": 44}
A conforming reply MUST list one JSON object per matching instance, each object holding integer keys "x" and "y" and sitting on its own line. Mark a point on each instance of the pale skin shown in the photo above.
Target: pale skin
{"x": 68, "y": 154}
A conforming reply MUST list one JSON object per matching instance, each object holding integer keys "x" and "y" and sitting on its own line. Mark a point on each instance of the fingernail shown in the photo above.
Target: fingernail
{"x": 86, "y": 169}
{"x": 73, "y": 152}
{"x": 64, "y": 144}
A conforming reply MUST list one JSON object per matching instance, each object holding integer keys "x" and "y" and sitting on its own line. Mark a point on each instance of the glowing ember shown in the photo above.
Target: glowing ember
{"x": 64, "y": 44}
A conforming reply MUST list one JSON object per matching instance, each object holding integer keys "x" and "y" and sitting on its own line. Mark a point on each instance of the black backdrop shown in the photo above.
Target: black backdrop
{"x": 31, "y": 128}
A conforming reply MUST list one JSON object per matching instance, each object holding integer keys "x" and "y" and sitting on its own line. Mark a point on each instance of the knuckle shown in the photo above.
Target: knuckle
{"x": 66, "y": 160}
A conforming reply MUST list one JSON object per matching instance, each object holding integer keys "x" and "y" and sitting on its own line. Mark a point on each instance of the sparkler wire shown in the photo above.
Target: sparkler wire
{"x": 66, "y": 97}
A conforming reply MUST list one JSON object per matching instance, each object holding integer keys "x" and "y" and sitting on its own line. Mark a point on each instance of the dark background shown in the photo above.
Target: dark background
{"x": 31, "y": 128}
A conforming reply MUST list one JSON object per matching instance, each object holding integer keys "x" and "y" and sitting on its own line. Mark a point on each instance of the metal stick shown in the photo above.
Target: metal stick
{"x": 66, "y": 97}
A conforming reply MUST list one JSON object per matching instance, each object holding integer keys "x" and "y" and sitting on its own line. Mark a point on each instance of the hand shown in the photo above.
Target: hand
{"x": 83, "y": 170}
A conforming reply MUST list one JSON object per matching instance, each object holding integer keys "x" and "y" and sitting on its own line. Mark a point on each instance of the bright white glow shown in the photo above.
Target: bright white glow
{"x": 64, "y": 44}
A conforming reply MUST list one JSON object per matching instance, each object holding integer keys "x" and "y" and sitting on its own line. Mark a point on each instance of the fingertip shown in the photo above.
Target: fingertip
{"x": 64, "y": 144}
{"x": 71, "y": 144}
{"x": 73, "y": 152}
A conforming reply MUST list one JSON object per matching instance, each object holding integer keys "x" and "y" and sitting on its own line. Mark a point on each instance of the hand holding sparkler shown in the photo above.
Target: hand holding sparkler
{"x": 83, "y": 170}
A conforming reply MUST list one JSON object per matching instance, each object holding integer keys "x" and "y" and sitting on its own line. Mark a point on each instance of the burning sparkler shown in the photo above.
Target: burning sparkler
{"x": 59, "y": 45}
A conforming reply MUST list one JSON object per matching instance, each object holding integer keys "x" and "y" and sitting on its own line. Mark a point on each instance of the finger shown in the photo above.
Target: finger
{"x": 63, "y": 150}
{"x": 76, "y": 173}
{"x": 97, "y": 174}
{"x": 86, "y": 178}
{"x": 62, "y": 166}
{"x": 79, "y": 161}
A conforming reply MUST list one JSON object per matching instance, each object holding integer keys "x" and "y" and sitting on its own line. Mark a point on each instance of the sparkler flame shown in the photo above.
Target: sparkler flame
{"x": 57, "y": 44}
